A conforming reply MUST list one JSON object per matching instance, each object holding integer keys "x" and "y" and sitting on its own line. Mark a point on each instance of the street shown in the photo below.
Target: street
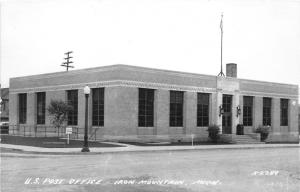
{"x": 198, "y": 170}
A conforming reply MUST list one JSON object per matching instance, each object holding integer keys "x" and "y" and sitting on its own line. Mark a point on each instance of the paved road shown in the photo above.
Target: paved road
{"x": 207, "y": 170}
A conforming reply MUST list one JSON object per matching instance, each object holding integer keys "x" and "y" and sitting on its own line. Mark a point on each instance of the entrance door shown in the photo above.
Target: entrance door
{"x": 226, "y": 118}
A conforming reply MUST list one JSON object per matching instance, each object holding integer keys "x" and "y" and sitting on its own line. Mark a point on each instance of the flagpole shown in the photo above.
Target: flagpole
{"x": 221, "y": 27}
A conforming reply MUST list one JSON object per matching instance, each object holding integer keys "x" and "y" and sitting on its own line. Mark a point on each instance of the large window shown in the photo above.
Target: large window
{"x": 284, "y": 106}
{"x": 146, "y": 107}
{"x": 267, "y": 104}
{"x": 227, "y": 104}
{"x": 176, "y": 108}
{"x": 72, "y": 97}
{"x": 22, "y": 107}
{"x": 41, "y": 107}
{"x": 247, "y": 110}
{"x": 202, "y": 109}
{"x": 98, "y": 106}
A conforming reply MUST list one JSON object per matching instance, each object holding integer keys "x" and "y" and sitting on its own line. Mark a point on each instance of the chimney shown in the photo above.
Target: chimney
{"x": 231, "y": 70}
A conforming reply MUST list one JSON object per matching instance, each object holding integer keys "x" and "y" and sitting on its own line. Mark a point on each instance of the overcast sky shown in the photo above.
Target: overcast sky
{"x": 261, "y": 36}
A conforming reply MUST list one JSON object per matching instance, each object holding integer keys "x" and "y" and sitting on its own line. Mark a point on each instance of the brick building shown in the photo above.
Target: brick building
{"x": 299, "y": 119}
{"x": 4, "y": 94}
{"x": 129, "y": 103}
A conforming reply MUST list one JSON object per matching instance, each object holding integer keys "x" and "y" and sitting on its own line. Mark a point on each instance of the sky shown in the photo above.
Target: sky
{"x": 261, "y": 36}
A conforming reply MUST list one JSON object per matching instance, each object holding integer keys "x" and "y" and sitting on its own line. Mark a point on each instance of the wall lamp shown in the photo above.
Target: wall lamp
{"x": 221, "y": 110}
{"x": 238, "y": 111}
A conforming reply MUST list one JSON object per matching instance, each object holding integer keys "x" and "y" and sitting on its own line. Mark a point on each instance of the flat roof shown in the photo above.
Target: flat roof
{"x": 138, "y": 68}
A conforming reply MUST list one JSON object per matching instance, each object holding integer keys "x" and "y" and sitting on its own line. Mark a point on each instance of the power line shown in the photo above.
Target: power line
{"x": 68, "y": 62}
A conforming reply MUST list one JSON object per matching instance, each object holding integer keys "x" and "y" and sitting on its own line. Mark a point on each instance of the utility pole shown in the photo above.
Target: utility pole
{"x": 221, "y": 27}
{"x": 68, "y": 62}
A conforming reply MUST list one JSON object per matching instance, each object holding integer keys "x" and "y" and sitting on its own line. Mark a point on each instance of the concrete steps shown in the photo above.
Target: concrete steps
{"x": 245, "y": 139}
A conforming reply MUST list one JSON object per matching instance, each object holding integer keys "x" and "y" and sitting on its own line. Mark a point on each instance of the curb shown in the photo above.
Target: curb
{"x": 20, "y": 149}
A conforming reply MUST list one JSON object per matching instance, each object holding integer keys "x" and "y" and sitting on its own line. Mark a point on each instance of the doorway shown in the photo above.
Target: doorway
{"x": 227, "y": 115}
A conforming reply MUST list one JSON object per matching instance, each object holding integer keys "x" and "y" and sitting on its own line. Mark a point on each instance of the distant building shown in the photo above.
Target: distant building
{"x": 299, "y": 119}
{"x": 4, "y": 107}
{"x": 129, "y": 103}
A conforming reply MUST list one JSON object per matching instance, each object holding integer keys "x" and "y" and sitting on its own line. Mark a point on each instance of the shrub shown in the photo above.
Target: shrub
{"x": 213, "y": 133}
{"x": 264, "y": 132}
{"x": 58, "y": 111}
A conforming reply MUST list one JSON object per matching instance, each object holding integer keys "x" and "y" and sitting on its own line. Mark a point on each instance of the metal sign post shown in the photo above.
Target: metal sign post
{"x": 68, "y": 132}
{"x": 192, "y": 140}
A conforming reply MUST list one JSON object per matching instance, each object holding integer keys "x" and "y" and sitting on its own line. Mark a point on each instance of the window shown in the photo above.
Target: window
{"x": 284, "y": 105}
{"x": 3, "y": 105}
{"x": 41, "y": 107}
{"x": 98, "y": 107}
{"x": 22, "y": 107}
{"x": 247, "y": 110}
{"x": 176, "y": 108}
{"x": 202, "y": 109}
{"x": 146, "y": 107}
{"x": 72, "y": 97}
{"x": 227, "y": 103}
{"x": 267, "y": 104}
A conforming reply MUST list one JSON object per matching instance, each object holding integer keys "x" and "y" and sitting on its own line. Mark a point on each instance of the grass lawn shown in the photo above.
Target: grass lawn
{"x": 49, "y": 142}
{"x": 172, "y": 143}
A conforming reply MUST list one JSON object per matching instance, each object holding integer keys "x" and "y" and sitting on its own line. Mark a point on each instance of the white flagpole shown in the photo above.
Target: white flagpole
{"x": 221, "y": 27}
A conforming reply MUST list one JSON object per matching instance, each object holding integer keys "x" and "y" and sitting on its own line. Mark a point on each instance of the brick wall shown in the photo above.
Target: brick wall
{"x": 121, "y": 101}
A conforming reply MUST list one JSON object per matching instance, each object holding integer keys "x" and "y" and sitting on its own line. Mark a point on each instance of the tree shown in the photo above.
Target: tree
{"x": 58, "y": 111}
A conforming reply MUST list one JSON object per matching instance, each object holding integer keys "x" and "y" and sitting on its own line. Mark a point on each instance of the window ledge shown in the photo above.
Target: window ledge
{"x": 97, "y": 127}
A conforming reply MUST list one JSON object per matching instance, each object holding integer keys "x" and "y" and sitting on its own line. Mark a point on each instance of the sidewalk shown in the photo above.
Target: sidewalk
{"x": 133, "y": 148}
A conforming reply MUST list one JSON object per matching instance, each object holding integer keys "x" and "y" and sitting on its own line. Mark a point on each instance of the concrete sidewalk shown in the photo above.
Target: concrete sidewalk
{"x": 133, "y": 148}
